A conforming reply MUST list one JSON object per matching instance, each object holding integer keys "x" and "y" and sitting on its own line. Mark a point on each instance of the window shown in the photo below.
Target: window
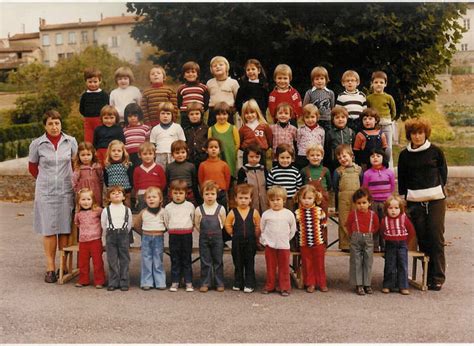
{"x": 69, "y": 55}
{"x": 59, "y": 39}
{"x": 72, "y": 37}
{"x": 84, "y": 37}
{"x": 61, "y": 56}
{"x": 114, "y": 41}
{"x": 467, "y": 24}
{"x": 45, "y": 40}
{"x": 464, "y": 47}
{"x": 94, "y": 36}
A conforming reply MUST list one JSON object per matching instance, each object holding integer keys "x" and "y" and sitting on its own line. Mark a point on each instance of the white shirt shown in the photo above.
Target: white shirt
{"x": 163, "y": 138}
{"x": 278, "y": 227}
{"x": 120, "y": 98}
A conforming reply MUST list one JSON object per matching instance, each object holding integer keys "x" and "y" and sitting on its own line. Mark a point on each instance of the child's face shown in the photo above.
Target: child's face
{"x": 315, "y": 157}
{"x": 178, "y": 195}
{"x": 93, "y": 83}
{"x": 221, "y": 118}
{"x": 166, "y": 117}
{"x": 393, "y": 209}
{"x": 378, "y": 84}
{"x": 219, "y": 69}
{"x": 108, "y": 120}
{"x": 133, "y": 120}
{"x": 180, "y": 155}
{"x": 210, "y": 196}
{"x": 308, "y": 200}
{"x": 345, "y": 159}
{"x": 85, "y": 200}
{"x": 190, "y": 75}
{"x": 153, "y": 199}
{"x": 116, "y": 152}
{"x": 283, "y": 115}
{"x": 340, "y": 121}
{"x": 85, "y": 156}
{"x": 282, "y": 81}
{"x": 156, "y": 75}
{"x": 311, "y": 119}
{"x": 194, "y": 117}
{"x": 319, "y": 82}
{"x": 123, "y": 82}
{"x": 252, "y": 72}
{"x": 213, "y": 150}
{"x": 368, "y": 122}
{"x": 253, "y": 158}
{"x": 243, "y": 200}
{"x": 362, "y": 204}
{"x": 350, "y": 83}
{"x": 376, "y": 160}
{"x": 277, "y": 203}
{"x": 148, "y": 157}
{"x": 116, "y": 197}
{"x": 284, "y": 159}
{"x": 250, "y": 116}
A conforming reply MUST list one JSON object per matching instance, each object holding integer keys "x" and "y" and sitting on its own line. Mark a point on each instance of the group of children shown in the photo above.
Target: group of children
{"x": 181, "y": 177}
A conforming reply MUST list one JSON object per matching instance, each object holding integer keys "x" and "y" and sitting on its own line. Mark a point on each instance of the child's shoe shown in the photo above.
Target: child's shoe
{"x": 385, "y": 290}
{"x": 189, "y": 287}
{"x": 285, "y": 293}
{"x": 310, "y": 289}
{"x": 124, "y": 288}
{"x": 248, "y": 290}
{"x": 79, "y": 285}
{"x": 235, "y": 288}
{"x": 368, "y": 290}
{"x": 405, "y": 292}
{"x": 146, "y": 288}
{"x": 99, "y": 287}
{"x": 204, "y": 289}
{"x": 220, "y": 289}
{"x": 360, "y": 290}
{"x": 323, "y": 289}
{"x": 174, "y": 287}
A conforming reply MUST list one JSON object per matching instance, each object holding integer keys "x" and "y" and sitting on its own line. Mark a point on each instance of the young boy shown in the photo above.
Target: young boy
{"x": 352, "y": 99}
{"x": 339, "y": 133}
{"x": 209, "y": 218}
{"x": 116, "y": 221}
{"x": 180, "y": 169}
{"x": 179, "y": 222}
{"x": 125, "y": 93}
{"x": 385, "y": 106}
{"x": 192, "y": 91}
{"x": 222, "y": 88}
{"x": 254, "y": 173}
{"x": 308, "y": 134}
{"x": 155, "y": 94}
{"x": 284, "y": 92}
{"x": 243, "y": 224}
{"x": 278, "y": 227}
{"x": 283, "y": 132}
{"x": 92, "y": 102}
{"x": 320, "y": 96}
{"x": 196, "y": 134}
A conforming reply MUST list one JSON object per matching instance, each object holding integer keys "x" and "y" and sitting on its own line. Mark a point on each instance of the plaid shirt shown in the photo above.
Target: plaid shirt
{"x": 282, "y": 135}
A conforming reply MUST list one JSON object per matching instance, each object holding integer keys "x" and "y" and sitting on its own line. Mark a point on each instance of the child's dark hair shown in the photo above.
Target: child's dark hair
{"x": 261, "y": 76}
{"x": 114, "y": 188}
{"x": 284, "y": 105}
{"x": 209, "y": 140}
{"x": 84, "y": 146}
{"x": 244, "y": 189}
{"x": 379, "y": 74}
{"x": 253, "y": 148}
{"x": 132, "y": 109}
{"x": 194, "y": 106}
{"x": 339, "y": 110}
{"x": 222, "y": 107}
{"x": 370, "y": 112}
{"x": 179, "y": 145}
{"x": 179, "y": 185}
{"x": 380, "y": 151}
{"x": 361, "y": 193}
{"x": 190, "y": 65}
{"x": 285, "y": 148}
{"x": 92, "y": 72}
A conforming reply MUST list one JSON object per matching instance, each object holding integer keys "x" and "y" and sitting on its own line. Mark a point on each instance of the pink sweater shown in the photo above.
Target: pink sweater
{"x": 88, "y": 222}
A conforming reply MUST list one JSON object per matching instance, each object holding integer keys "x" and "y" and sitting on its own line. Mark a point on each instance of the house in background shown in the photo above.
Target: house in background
{"x": 465, "y": 54}
{"x": 18, "y": 50}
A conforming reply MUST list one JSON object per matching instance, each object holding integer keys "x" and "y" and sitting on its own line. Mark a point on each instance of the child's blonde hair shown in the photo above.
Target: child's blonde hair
{"x": 155, "y": 189}
{"x": 344, "y": 148}
{"x": 315, "y": 147}
{"x": 309, "y": 109}
{"x": 84, "y": 146}
{"x": 319, "y": 71}
{"x": 145, "y": 147}
{"x": 252, "y": 106}
{"x": 305, "y": 189}
{"x": 124, "y": 71}
{"x": 114, "y": 188}
{"x": 125, "y": 158}
{"x": 78, "y": 197}
{"x": 109, "y": 110}
{"x": 275, "y": 192}
{"x": 394, "y": 197}
{"x": 209, "y": 185}
{"x": 350, "y": 73}
{"x": 159, "y": 67}
{"x": 219, "y": 58}
{"x": 283, "y": 69}
{"x": 167, "y": 107}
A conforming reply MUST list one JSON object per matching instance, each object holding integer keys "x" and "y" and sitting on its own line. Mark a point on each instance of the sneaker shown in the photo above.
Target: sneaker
{"x": 99, "y": 287}
{"x": 405, "y": 292}
{"x": 385, "y": 290}
{"x": 203, "y": 289}
{"x": 285, "y": 293}
{"x": 174, "y": 287}
{"x": 111, "y": 288}
{"x": 323, "y": 289}
{"x": 124, "y": 289}
{"x": 50, "y": 277}
{"x": 235, "y": 288}
{"x": 360, "y": 290}
{"x": 435, "y": 287}
{"x": 220, "y": 289}
{"x": 368, "y": 290}
{"x": 146, "y": 288}
{"x": 248, "y": 290}
{"x": 189, "y": 287}
{"x": 310, "y": 289}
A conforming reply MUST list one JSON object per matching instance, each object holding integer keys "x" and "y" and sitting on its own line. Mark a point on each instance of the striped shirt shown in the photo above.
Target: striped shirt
{"x": 134, "y": 136}
{"x": 321, "y": 98}
{"x": 397, "y": 229}
{"x": 152, "y": 97}
{"x": 380, "y": 183}
{"x": 286, "y": 177}
{"x": 355, "y": 102}
{"x": 192, "y": 92}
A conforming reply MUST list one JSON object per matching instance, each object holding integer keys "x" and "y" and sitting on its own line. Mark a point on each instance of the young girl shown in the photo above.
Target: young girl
{"x": 254, "y": 130}
{"x": 308, "y": 134}
{"x": 118, "y": 169}
{"x": 116, "y": 221}
{"x": 150, "y": 223}
{"x": 362, "y": 223}
{"x": 285, "y": 174}
{"x": 311, "y": 222}
{"x": 135, "y": 132}
{"x": 209, "y": 218}
{"x": 253, "y": 85}
{"x": 397, "y": 230}
{"x": 125, "y": 92}
{"x": 346, "y": 180}
{"x": 87, "y": 219}
{"x": 165, "y": 133}
{"x": 278, "y": 227}
{"x": 283, "y": 132}
{"x": 88, "y": 173}
{"x": 107, "y": 132}
{"x": 227, "y": 134}
{"x": 380, "y": 181}
{"x": 196, "y": 134}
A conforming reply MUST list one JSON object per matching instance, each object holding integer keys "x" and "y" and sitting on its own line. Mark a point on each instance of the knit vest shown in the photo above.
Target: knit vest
{"x": 310, "y": 224}
{"x": 117, "y": 173}
{"x": 244, "y": 229}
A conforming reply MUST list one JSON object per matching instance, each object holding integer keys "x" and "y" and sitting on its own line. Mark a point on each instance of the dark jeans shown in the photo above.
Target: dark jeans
{"x": 211, "y": 250}
{"x": 118, "y": 257}
{"x": 428, "y": 220}
{"x": 243, "y": 256}
{"x": 395, "y": 273}
{"x": 181, "y": 249}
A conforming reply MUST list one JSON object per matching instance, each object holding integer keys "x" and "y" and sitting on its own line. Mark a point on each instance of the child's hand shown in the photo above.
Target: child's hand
{"x": 260, "y": 247}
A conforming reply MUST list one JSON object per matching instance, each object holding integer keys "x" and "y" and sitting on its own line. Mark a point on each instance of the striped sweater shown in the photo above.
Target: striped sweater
{"x": 151, "y": 99}
{"x": 310, "y": 224}
{"x": 355, "y": 102}
{"x": 397, "y": 229}
{"x": 134, "y": 136}
{"x": 380, "y": 183}
{"x": 287, "y": 177}
{"x": 192, "y": 92}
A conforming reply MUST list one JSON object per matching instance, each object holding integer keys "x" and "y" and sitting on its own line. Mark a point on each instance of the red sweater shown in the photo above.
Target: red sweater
{"x": 216, "y": 170}
{"x": 144, "y": 178}
{"x": 292, "y": 96}
{"x": 363, "y": 222}
{"x": 262, "y": 135}
{"x": 397, "y": 229}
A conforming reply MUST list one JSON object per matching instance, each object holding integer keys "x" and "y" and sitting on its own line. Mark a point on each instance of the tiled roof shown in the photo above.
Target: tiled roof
{"x": 26, "y": 36}
{"x": 119, "y": 20}
{"x": 48, "y": 27}
{"x": 17, "y": 49}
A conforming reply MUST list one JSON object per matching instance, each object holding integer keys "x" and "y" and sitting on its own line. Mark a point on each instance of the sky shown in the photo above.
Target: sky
{"x": 13, "y": 15}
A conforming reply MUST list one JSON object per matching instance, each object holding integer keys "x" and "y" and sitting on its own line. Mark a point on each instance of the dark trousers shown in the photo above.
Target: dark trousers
{"x": 181, "y": 249}
{"x": 211, "y": 251}
{"x": 118, "y": 257}
{"x": 428, "y": 219}
{"x": 87, "y": 250}
{"x": 395, "y": 272}
{"x": 243, "y": 256}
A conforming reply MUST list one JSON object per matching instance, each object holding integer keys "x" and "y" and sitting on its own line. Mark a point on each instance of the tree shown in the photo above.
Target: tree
{"x": 409, "y": 41}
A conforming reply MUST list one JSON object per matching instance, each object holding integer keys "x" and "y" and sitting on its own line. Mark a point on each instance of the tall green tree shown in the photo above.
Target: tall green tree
{"x": 409, "y": 41}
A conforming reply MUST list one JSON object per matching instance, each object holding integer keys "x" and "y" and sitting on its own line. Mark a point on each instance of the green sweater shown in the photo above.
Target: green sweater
{"x": 311, "y": 172}
{"x": 385, "y": 105}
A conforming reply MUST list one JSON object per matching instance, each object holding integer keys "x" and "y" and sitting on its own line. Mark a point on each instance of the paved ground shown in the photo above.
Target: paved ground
{"x": 32, "y": 311}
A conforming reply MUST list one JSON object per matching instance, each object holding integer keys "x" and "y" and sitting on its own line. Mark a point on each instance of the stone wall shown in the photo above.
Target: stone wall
{"x": 462, "y": 84}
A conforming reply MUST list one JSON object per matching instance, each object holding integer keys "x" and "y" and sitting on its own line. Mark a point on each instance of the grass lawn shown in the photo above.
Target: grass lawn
{"x": 455, "y": 156}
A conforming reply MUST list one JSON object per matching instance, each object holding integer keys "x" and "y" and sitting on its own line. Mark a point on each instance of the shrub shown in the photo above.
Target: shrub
{"x": 31, "y": 107}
